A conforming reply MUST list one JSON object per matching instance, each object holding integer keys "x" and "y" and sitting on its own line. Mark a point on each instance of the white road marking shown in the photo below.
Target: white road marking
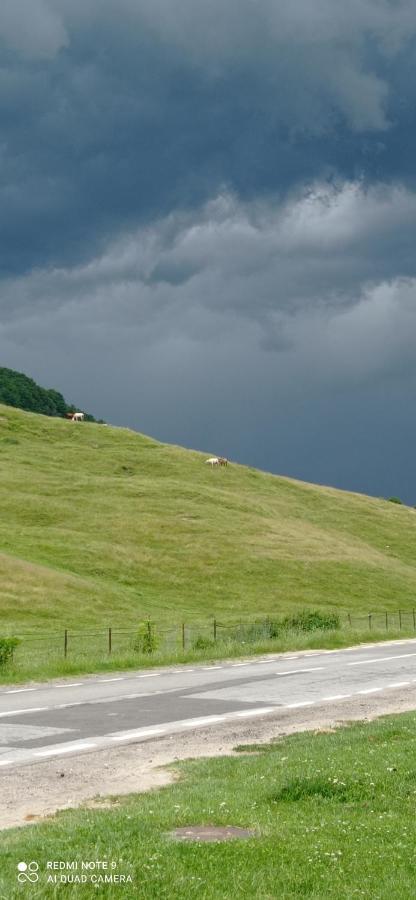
{"x": 337, "y": 697}
{"x": 144, "y": 732}
{"x": 20, "y": 690}
{"x": 107, "y": 680}
{"x": 149, "y": 675}
{"x": 298, "y": 705}
{"x": 5, "y": 762}
{"x": 56, "y": 751}
{"x": 19, "y": 712}
{"x": 370, "y": 690}
{"x": 399, "y": 684}
{"x": 73, "y": 684}
{"x": 245, "y": 714}
{"x": 236, "y": 665}
{"x": 369, "y": 662}
{"x": 207, "y": 668}
{"x": 300, "y": 671}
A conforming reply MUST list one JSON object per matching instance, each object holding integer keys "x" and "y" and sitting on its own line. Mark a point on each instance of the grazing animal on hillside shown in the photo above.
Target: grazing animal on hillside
{"x": 78, "y": 417}
{"x": 222, "y": 461}
{"x": 213, "y": 461}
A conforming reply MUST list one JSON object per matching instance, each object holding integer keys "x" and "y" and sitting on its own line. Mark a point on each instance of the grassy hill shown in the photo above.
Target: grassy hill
{"x": 103, "y": 526}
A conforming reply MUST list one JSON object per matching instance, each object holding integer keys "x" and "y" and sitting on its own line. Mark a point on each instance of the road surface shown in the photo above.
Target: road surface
{"x": 43, "y": 721}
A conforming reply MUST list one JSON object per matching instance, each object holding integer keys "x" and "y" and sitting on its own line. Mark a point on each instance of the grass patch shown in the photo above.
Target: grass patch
{"x": 105, "y": 527}
{"x": 333, "y": 814}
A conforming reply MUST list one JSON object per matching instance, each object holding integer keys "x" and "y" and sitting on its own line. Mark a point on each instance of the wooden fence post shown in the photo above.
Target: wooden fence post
{"x": 215, "y": 629}
{"x": 369, "y": 621}
{"x": 349, "y": 619}
{"x": 66, "y": 643}
{"x": 109, "y": 640}
{"x": 400, "y": 619}
{"x": 414, "y": 621}
{"x": 183, "y": 635}
{"x": 387, "y": 621}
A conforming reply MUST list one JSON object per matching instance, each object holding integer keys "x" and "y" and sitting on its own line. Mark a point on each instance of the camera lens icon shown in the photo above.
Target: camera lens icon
{"x": 28, "y": 872}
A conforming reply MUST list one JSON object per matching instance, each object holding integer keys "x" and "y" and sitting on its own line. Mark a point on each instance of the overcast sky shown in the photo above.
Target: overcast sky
{"x": 208, "y": 220}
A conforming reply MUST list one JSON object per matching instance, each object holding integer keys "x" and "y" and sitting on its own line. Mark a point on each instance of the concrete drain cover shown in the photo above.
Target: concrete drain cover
{"x": 212, "y": 833}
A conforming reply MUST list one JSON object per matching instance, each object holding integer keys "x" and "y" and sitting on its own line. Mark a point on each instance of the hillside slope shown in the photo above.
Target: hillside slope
{"x": 101, "y": 525}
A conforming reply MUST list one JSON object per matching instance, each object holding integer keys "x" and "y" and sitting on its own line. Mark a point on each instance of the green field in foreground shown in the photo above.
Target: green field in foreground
{"x": 333, "y": 816}
{"x": 103, "y": 526}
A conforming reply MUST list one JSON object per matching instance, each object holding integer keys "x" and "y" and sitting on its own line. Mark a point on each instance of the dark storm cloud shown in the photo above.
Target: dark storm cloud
{"x": 113, "y": 114}
{"x": 207, "y": 219}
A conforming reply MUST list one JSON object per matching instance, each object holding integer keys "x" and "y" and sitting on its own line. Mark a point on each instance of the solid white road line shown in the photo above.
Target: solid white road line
{"x": 396, "y": 684}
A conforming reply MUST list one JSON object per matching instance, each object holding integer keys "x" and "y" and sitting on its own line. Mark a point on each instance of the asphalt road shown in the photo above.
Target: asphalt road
{"x": 42, "y": 721}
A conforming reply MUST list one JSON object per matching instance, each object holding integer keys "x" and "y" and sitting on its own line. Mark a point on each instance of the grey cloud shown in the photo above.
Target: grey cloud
{"x": 285, "y": 268}
{"x": 34, "y": 30}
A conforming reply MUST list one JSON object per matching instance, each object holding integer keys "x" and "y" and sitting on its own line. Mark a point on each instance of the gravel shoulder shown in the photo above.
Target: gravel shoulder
{"x": 30, "y": 793}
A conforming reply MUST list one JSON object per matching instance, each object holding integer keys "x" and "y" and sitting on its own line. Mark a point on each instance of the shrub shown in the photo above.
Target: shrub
{"x": 7, "y": 647}
{"x": 203, "y": 643}
{"x": 146, "y": 640}
{"x": 311, "y": 621}
{"x": 395, "y": 500}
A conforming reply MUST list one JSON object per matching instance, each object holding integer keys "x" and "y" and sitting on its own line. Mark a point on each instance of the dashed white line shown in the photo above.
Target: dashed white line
{"x": 144, "y": 732}
{"x": 298, "y": 705}
{"x": 56, "y": 751}
{"x": 149, "y": 675}
{"x": 300, "y": 671}
{"x": 337, "y": 697}
{"x": 369, "y": 662}
{"x": 20, "y": 690}
{"x": 370, "y": 690}
{"x": 237, "y": 665}
{"x": 208, "y": 668}
{"x": 6, "y": 762}
{"x": 399, "y": 684}
{"x": 19, "y": 712}
{"x": 107, "y": 680}
{"x": 73, "y": 684}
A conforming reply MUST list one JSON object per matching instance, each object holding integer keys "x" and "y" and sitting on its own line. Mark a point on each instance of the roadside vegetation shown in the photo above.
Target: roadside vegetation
{"x": 33, "y": 662}
{"x": 333, "y": 814}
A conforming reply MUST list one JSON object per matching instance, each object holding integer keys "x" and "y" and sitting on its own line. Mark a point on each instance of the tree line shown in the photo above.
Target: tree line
{"x": 17, "y": 389}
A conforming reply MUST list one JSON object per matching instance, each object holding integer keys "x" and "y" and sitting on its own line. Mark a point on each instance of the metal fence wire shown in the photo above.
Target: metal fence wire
{"x": 150, "y": 637}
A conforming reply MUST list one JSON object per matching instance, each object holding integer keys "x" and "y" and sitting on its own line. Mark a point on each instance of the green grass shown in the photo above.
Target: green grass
{"x": 333, "y": 813}
{"x": 103, "y": 526}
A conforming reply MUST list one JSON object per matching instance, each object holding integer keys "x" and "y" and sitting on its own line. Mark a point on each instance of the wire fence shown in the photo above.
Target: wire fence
{"x": 149, "y": 637}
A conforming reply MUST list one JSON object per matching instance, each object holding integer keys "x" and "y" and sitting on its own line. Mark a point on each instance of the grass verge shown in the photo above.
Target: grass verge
{"x": 31, "y": 665}
{"x": 333, "y": 813}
